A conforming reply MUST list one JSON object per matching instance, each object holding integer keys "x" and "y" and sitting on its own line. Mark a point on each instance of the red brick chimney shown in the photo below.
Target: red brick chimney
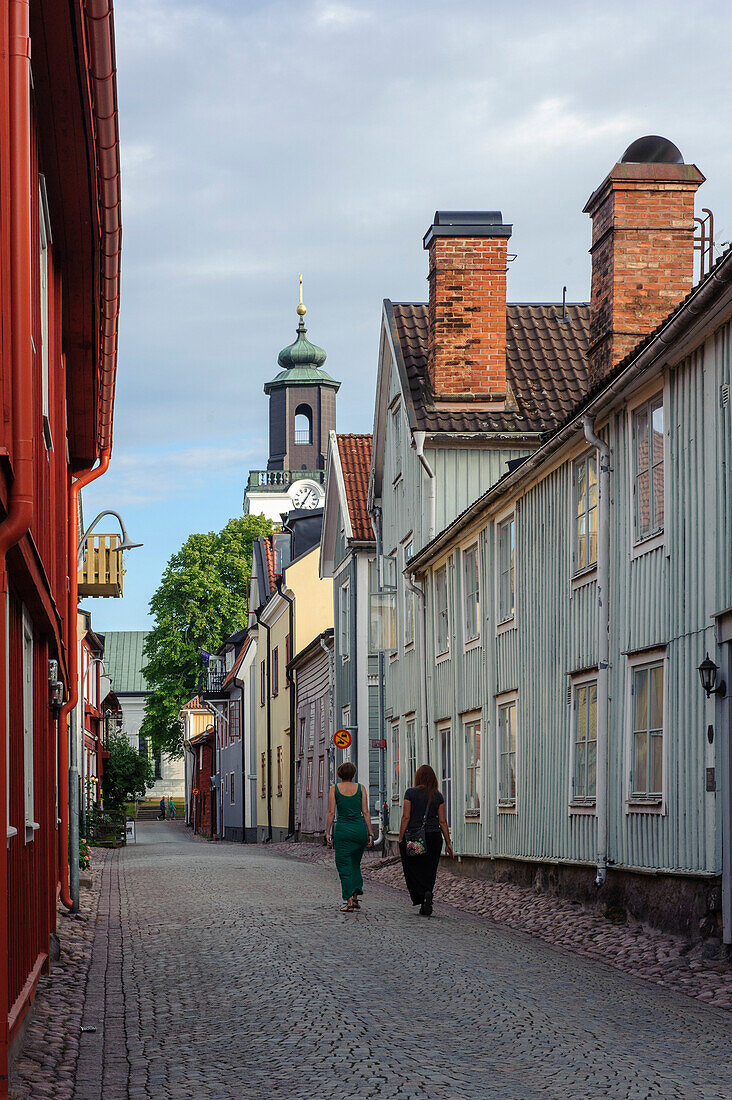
{"x": 642, "y": 247}
{"x": 467, "y": 306}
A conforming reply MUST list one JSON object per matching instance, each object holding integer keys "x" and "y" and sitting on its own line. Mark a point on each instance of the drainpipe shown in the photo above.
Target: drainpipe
{"x": 291, "y": 682}
{"x": 20, "y": 505}
{"x": 420, "y": 594}
{"x": 419, "y": 438}
{"x": 603, "y": 642}
{"x": 384, "y": 806}
{"x": 269, "y": 730}
{"x": 243, "y": 766}
{"x": 331, "y": 683}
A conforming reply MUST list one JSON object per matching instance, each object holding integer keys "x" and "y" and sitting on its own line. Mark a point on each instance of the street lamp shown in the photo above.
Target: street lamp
{"x": 126, "y": 543}
{"x": 708, "y": 675}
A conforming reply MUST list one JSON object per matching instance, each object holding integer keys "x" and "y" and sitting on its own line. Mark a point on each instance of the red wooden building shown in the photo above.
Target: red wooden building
{"x": 59, "y": 295}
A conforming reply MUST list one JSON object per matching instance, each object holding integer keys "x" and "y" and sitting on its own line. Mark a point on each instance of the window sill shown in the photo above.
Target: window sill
{"x": 440, "y": 657}
{"x": 472, "y": 643}
{"x": 584, "y": 577}
{"x": 507, "y": 808}
{"x": 395, "y": 800}
{"x": 472, "y": 816}
{"x": 409, "y": 647}
{"x": 397, "y": 481}
{"x": 582, "y": 809}
{"x": 31, "y": 827}
{"x": 393, "y": 657}
{"x": 345, "y": 657}
{"x": 636, "y": 805}
{"x": 646, "y": 545}
{"x": 10, "y": 832}
{"x": 506, "y": 624}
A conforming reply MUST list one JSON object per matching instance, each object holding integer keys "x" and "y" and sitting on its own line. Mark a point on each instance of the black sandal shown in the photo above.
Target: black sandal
{"x": 348, "y": 907}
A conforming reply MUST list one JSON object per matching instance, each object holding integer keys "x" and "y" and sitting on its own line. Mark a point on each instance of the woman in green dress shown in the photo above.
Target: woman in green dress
{"x": 352, "y": 833}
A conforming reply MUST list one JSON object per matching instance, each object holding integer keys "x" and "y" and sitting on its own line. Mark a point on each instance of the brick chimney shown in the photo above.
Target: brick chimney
{"x": 467, "y": 306}
{"x": 642, "y": 247}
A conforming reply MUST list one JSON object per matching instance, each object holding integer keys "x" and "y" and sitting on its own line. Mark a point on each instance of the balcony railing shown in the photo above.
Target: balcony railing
{"x": 102, "y": 571}
{"x": 263, "y": 480}
{"x": 302, "y": 437}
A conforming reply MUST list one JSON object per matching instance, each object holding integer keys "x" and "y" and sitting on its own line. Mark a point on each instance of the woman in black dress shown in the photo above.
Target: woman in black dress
{"x": 423, "y": 803}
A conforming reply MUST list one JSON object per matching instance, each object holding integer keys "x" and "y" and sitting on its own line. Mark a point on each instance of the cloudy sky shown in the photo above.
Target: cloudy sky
{"x": 264, "y": 138}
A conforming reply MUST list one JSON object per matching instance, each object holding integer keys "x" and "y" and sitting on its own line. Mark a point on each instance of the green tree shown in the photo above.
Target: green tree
{"x": 127, "y": 774}
{"x": 202, "y": 599}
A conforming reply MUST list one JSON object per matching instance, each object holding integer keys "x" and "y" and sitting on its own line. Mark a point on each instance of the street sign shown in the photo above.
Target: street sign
{"x": 378, "y": 744}
{"x": 342, "y": 739}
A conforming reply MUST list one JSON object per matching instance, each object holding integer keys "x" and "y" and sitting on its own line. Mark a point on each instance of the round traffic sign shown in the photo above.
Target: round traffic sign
{"x": 342, "y": 739}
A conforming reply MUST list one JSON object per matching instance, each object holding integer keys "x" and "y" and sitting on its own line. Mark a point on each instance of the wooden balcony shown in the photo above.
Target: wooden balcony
{"x": 101, "y": 573}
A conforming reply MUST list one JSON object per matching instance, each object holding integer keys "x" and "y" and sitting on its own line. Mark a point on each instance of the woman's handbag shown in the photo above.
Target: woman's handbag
{"x": 416, "y": 844}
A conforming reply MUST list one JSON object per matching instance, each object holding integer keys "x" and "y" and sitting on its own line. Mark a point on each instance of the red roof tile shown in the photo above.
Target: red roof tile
{"x": 546, "y": 368}
{"x": 355, "y": 453}
{"x": 269, "y": 553}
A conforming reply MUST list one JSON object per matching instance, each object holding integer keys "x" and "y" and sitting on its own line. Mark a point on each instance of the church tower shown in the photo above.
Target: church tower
{"x": 302, "y": 411}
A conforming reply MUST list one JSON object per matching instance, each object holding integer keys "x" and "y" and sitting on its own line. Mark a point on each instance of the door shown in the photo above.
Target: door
{"x": 446, "y": 771}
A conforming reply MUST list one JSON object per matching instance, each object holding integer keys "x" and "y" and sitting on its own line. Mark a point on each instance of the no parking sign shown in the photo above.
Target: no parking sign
{"x": 342, "y": 739}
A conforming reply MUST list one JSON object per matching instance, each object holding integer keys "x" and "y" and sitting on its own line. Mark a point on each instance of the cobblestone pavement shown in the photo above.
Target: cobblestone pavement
{"x": 46, "y": 1064}
{"x": 225, "y": 971}
{"x": 644, "y": 952}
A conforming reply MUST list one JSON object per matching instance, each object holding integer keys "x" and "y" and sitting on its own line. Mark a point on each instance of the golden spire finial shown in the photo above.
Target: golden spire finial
{"x": 301, "y": 308}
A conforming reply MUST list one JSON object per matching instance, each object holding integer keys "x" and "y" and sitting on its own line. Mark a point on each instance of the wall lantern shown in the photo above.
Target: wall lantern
{"x": 708, "y": 675}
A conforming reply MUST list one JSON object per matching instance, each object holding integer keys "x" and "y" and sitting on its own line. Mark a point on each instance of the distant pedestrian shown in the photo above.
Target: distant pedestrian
{"x": 171, "y": 810}
{"x": 161, "y": 815}
{"x": 422, "y": 828}
{"x": 353, "y": 832}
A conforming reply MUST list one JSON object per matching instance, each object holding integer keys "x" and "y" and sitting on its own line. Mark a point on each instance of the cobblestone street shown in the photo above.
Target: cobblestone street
{"x": 222, "y": 970}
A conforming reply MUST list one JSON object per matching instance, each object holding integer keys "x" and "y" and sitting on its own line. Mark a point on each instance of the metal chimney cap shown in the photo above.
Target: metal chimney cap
{"x": 652, "y": 149}
{"x": 467, "y": 223}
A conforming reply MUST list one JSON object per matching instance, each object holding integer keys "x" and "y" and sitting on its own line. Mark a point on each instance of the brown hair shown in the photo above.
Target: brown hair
{"x": 347, "y": 770}
{"x": 426, "y": 778}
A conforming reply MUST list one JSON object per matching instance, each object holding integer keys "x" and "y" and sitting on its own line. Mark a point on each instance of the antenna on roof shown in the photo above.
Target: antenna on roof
{"x": 565, "y": 318}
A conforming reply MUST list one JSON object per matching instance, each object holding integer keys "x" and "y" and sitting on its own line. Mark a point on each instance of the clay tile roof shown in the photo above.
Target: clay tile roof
{"x": 355, "y": 453}
{"x": 546, "y": 368}
{"x": 269, "y": 553}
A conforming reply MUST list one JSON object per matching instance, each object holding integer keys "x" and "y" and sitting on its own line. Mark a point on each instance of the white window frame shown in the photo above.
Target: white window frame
{"x": 441, "y": 654}
{"x": 640, "y": 545}
{"x": 309, "y": 777}
{"x": 503, "y": 620}
{"x": 587, "y": 459}
{"x": 470, "y": 721}
{"x": 344, "y": 619}
{"x": 321, "y": 776}
{"x": 410, "y": 746}
{"x": 311, "y": 729}
{"x": 580, "y": 804}
{"x": 396, "y": 422}
{"x": 394, "y": 761}
{"x": 473, "y": 640}
{"x": 28, "y": 644}
{"x": 636, "y": 801}
{"x": 408, "y": 605}
{"x": 44, "y": 220}
{"x": 506, "y": 803}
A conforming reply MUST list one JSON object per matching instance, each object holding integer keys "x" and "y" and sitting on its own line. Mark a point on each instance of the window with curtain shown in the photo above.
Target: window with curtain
{"x": 506, "y": 553}
{"x": 507, "y": 754}
{"x": 471, "y": 734}
{"x": 442, "y": 613}
{"x": 648, "y": 472}
{"x": 585, "y": 512}
{"x": 584, "y": 772}
{"x": 471, "y": 593}
{"x": 647, "y": 732}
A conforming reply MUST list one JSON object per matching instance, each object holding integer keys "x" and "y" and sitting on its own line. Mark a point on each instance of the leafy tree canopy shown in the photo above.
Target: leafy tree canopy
{"x": 202, "y": 599}
{"x": 127, "y": 774}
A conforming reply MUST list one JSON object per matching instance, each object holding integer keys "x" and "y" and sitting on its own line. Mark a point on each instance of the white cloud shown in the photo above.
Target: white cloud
{"x": 147, "y": 477}
{"x": 335, "y": 15}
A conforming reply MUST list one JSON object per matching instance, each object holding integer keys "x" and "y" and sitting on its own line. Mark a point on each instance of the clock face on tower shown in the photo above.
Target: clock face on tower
{"x": 306, "y": 494}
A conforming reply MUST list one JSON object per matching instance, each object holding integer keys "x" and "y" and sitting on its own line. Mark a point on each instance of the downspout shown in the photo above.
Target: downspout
{"x": 20, "y": 505}
{"x": 603, "y": 643}
{"x": 353, "y": 648}
{"x": 422, "y": 653}
{"x": 291, "y": 683}
{"x": 269, "y": 732}
{"x": 243, "y": 766}
{"x": 419, "y": 438}
{"x": 384, "y": 805}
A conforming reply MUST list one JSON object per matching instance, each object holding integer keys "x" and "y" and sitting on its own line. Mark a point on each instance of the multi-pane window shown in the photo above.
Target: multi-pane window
{"x": 235, "y": 719}
{"x": 263, "y": 789}
{"x": 471, "y": 593}
{"x": 309, "y": 780}
{"x": 648, "y": 467}
{"x": 395, "y": 785}
{"x": 275, "y": 670}
{"x": 647, "y": 712}
{"x": 280, "y": 770}
{"x": 442, "y": 614}
{"x": 345, "y": 618}
{"x": 584, "y": 776}
{"x": 471, "y": 731}
{"x": 585, "y": 512}
{"x": 321, "y": 775}
{"x": 311, "y": 729}
{"x": 506, "y": 551}
{"x": 409, "y": 598}
{"x": 507, "y": 754}
{"x": 382, "y": 609}
{"x": 301, "y": 739}
{"x": 396, "y": 420}
{"x": 410, "y": 744}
